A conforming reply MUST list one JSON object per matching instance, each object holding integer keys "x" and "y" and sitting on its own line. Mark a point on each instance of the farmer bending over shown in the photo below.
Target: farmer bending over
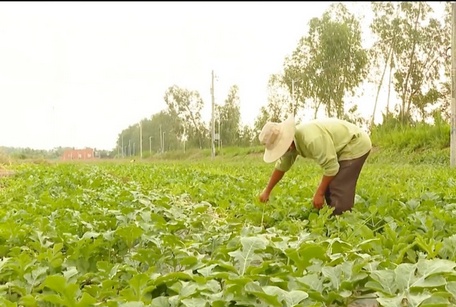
{"x": 338, "y": 146}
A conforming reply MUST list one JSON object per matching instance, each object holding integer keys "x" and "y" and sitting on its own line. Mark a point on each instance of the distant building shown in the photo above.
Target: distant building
{"x": 79, "y": 154}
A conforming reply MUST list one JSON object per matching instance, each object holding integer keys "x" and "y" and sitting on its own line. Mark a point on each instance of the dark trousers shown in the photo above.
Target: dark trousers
{"x": 341, "y": 191}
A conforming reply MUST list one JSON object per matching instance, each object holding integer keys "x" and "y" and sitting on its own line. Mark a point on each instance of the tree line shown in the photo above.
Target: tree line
{"x": 409, "y": 57}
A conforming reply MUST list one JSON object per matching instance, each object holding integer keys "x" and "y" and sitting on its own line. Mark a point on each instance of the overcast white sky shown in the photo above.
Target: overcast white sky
{"x": 77, "y": 73}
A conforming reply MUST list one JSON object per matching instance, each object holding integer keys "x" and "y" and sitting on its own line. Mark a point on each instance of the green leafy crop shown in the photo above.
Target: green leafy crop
{"x": 194, "y": 234}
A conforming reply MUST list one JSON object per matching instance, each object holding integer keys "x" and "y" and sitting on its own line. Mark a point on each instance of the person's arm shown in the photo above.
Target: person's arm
{"x": 319, "y": 197}
{"x": 281, "y": 167}
{"x": 276, "y": 176}
{"x": 325, "y": 181}
{"x": 324, "y": 153}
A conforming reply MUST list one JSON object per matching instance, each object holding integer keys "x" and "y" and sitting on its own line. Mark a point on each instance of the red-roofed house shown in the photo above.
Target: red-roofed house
{"x": 79, "y": 154}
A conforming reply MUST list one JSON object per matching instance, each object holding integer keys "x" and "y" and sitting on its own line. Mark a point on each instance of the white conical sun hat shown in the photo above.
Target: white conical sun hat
{"x": 277, "y": 138}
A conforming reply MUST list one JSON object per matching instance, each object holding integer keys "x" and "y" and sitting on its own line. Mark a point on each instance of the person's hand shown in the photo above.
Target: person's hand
{"x": 318, "y": 201}
{"x": 264, "y": 196}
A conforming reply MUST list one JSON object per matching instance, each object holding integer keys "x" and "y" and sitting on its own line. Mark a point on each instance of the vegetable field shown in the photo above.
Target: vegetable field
{"x": 193, "y": 234}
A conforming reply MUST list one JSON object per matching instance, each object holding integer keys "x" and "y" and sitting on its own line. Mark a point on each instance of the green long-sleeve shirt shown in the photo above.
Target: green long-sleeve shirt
{"x": 326, "y": 141}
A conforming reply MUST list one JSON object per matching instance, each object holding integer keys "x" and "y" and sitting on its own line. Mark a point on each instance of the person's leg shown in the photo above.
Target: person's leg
{"x": 342, "y": 189}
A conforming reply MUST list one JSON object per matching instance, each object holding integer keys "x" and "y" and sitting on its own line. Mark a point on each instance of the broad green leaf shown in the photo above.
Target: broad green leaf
{"x": 303, "y": 256}
{"x": 160, "y": 302}
{"x": 3, "y": 262}
{"x": 56, "y": 283}
{"x": 334, "y": 274}
{"x": 386, "y": 279}
{"x": 69, "y": 273}
{"x": 130, "y": 234}
{"x": 90, "y": 235}
{"x": 53, "y": 299}
{"x": 211, "y": 285}
{"x": 246, "y": 256}
{"x": 415, "y": 299}
{"x": 451, "y": 288}
{"x": 172, "y": 277}
{"x": 270, "y": 299}
{"x": 207, "y": 271}
{"x": 139, "y": 286}
{"x": 438, "y": 299}
{"x": 313, "y": 281}
{"x": 430, "y": 282}
{"x": 377, "y": 286}
{"x": 36, "y": 276}
{"x": 291, "y": 298}
{"x": 404, "y": 276}
{"x": 7, "y": 303}
{"x": 194, "y": 302}
{"x": 435, "y": 266}
{"x": 185, "y": 289}
{"x": 390, "y": 301}
{"x": 86, "y": 300}
{"x": 132, "y": 304}
{"x": 28, "y": 300}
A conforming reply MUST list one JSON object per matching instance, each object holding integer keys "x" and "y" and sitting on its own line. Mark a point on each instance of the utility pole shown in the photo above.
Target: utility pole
{"x": 150, "y": 146}
{"x": 123, "y": 149}
{"x": 453, "y": 88}
{"x": 219, "y": 132}
{"x": 293, "y": 98}
{"x": 161, "y": 138}
{"x": 213, "y": 117}
{"x": 163, "y": 141}
{"x": 140, "y": 140}
{"x": 185, "y": 138}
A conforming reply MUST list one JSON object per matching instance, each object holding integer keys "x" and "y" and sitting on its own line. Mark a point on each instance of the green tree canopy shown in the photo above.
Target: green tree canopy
{"x": 329, "y": 62}
{"x": 415, "y": 46}
{"x": 184, "y": 107}
{"x": 230, "y": 118}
